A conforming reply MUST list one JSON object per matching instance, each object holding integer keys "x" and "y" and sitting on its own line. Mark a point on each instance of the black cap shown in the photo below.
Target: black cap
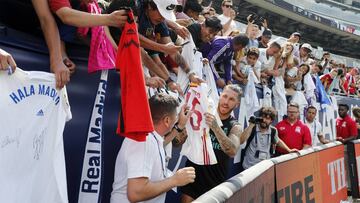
{"x": 297, "y": 34}
{"x": 267, "y": 33}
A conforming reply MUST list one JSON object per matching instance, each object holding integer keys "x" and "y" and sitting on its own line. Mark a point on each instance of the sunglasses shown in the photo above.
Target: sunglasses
{"x": 170, "y": 7}
{"x": 228, "y": 6}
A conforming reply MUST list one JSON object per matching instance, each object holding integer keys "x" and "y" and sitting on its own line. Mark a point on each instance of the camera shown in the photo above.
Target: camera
{"x": 255, "y": 120}
{"x": 255, "y": 19}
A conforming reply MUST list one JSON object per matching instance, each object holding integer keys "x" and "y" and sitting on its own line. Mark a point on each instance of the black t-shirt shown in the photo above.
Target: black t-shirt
{"x": 195, "y": 31}
{"x": 209, "y": 176}
{"x": 261, "y": 45}
{"x": 19, "y": 15}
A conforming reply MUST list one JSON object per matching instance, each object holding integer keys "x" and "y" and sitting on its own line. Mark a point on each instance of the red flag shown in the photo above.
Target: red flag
{"x": 135, "y": 119}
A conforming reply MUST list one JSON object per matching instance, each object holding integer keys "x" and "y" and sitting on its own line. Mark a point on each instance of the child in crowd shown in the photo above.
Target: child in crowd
{"x": 250, "y": 63}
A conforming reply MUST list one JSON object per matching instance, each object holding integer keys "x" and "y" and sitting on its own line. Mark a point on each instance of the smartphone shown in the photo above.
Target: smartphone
{"x": 185, "y": 43}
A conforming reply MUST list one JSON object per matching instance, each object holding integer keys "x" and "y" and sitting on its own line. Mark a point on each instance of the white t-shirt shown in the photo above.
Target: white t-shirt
{"x": 32, "y": 162}
{"x": 139, "y": 159}
{"x": 292, "y": 72}
{"x": 315, "y": 130}
{"x": 266, "y": 63}
{"x": 224, "y": 20}
{"x": 245, "y": 68}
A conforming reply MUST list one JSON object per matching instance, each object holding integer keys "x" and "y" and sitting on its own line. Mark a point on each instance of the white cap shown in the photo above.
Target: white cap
{"x": 166, "y": 8}
{"x": 306, "y": 45}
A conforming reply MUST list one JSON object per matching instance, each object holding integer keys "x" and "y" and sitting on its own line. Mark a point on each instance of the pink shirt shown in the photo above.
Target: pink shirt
{"x": 102, "y": 54}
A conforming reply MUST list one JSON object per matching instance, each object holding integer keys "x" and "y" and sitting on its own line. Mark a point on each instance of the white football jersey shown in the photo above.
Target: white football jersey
{"x": 33, "y": 115}
{"x": 198, "y": 146}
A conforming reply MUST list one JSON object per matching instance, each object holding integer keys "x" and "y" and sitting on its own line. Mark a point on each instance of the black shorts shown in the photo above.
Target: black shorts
{"x": 207, "y": 177}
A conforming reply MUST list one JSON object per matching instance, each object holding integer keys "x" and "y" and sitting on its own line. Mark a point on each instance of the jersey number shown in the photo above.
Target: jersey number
{"x": 195, "y": 126}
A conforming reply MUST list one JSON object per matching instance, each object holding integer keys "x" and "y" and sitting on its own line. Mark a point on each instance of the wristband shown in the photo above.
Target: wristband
{"x": 176, "y": 127}
{"x": 169, "y": 80}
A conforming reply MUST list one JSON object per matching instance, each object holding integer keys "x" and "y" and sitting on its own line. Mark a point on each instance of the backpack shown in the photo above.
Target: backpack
{"x": 251, "y": 137}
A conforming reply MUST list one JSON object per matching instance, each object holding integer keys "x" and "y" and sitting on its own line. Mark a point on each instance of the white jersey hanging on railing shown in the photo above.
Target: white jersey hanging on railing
{"x": 280, "y": 102}
{"x": 195, "y": 60}
{"x": 300, "y": 99}
{"x": 32, "y": 162}
{"x": 250, "y": 96}
{"x": 309, "y": 89}
{"x": 208, "y": 76}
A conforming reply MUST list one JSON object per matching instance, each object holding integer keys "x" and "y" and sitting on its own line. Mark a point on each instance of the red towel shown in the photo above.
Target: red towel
{"x": 135, "y": 119}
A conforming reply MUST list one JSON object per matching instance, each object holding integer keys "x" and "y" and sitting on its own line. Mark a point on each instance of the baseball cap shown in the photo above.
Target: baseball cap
{"x": 253, "y": 51}
{"x": 307, "y": 46}
{"x": 267, "y": 33}
{"x": 297, "y": 34}
{"x": 166, "y": 8}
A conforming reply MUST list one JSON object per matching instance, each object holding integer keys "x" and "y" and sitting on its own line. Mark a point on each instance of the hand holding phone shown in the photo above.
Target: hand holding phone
{"x": 185, "y": 43}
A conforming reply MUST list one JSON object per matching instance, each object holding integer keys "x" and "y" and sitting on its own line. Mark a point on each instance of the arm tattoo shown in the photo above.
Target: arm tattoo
{"x": 225, "y": 142}
{"x": 181, "y": 62}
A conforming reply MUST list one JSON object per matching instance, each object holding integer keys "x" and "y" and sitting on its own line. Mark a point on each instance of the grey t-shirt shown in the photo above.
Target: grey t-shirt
{"x": 261, "y": 143}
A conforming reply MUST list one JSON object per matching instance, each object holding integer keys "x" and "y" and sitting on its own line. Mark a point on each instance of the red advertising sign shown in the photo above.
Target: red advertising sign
{"x": 333, "y": 174}
{"x": 297, "y": 180}
{"x": 357, "y": 155}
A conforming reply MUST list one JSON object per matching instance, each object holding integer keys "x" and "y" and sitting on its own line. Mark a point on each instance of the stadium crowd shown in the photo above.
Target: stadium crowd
{"x": 172, "y": 35}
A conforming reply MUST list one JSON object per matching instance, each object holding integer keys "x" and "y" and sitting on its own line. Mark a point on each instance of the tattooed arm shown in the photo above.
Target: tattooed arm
{"x": 229, "y": 144}
{"x": 181, "y": 62}
{"x": 179, "y": 59}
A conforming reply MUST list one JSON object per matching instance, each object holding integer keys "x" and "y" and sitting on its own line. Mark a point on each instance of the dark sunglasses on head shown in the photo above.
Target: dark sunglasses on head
{"x": 170, "y": 7}
{"x": 228, "y": 6}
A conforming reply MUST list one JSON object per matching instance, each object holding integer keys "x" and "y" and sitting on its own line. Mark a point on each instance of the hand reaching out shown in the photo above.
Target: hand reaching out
{"x": 184, "y": 176}
{"x": 211, "y": 121}
{"x": 195, "y": 79}
{"x": 62, "y": 75}
{"x": 176, "y": 88}
{"x": 118, "y": 18}
{"x": 154, "y": 82}
{"x": 6, "y": 60}
{"x": 170, "y": 48}
{"x": 71, "y": 65}
{"x": 184, "y": 116}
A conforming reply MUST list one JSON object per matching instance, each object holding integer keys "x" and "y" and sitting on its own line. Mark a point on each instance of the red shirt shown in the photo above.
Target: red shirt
{"x": 349, "y": 83}
{"x": 326, "y": 79}
{"x": 135, "y": 117}
{"x": 294, "y": 136}
{"x": 345, "y": 127}
{"x": 57, "y": 4}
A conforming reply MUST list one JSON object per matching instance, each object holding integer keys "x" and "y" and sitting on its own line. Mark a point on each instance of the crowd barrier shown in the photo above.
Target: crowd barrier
{"x": 30, "y": 53}
{"x": 314, "y": 175}
{"x": 353, "y": 149}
